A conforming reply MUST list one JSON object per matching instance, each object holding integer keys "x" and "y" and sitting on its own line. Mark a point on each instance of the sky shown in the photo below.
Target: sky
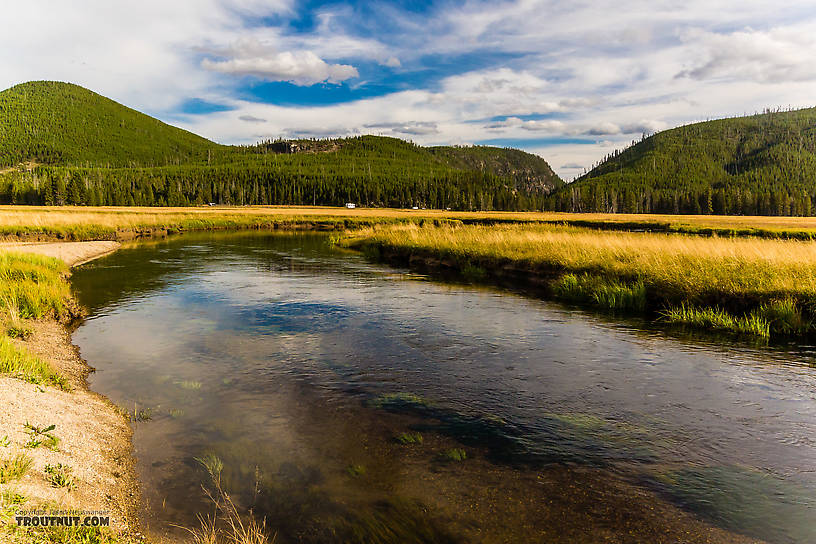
{"x": 569, "y": 81}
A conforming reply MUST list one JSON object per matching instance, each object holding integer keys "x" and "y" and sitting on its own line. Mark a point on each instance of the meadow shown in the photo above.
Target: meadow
{"x": 747, "y": 285}
{"x": 111, "y": 223}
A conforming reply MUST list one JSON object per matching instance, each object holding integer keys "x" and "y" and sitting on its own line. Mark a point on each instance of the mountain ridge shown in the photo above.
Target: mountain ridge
{"x": 83, "y": 148}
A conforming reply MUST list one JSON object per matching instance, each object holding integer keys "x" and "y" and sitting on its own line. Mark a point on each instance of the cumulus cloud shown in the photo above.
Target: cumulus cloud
{"x": 771, "y": 56}
{"x": 253, "y": 58}
{"x": 392, "y": 62}
{"x": 140, "y": 56}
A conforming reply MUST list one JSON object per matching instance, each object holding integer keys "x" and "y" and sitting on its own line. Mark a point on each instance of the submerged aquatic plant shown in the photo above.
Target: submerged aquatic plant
{"x": 355, "y": 470}
{"x": 234, "y": 528}
{"x": 142, "y": 414}
{"x": 398, "y": 401}
{"x": 409, "y": 438}
{"x": 453, "y": 455}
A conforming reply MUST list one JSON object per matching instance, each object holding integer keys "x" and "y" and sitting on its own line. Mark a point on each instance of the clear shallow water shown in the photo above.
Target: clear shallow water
{"x": 293, "y": 362}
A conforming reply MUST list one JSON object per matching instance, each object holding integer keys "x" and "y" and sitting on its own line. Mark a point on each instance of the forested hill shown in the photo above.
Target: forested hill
{"x": 528, "y": 170}
{"x": 62, "y": 144}
{"x": 59, "y": 123}
{"x": 758, "y": 165}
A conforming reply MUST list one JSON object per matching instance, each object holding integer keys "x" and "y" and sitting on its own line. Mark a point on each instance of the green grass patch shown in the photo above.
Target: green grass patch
{"x": 19, "y": 330}
{"x": 14, "y": 468}
{"x": 474, "y": 273}
{"x": 60, "y": 476}
{"x": 604, "y": 293}
{"x": 784, "y": 316}
{"x": 21, "y": 364}
{"x": 41, "y": 436}
{"x": 717, "y": 319}
{"x": 33, "y": 287}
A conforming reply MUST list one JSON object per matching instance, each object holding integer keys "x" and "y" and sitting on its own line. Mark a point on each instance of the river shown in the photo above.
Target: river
{"x": 299, "y": 364}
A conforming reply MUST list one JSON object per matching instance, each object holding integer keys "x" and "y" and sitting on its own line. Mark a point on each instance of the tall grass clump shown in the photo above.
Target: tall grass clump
{"x": 19, "y": 363}
{"x": 32, "y": 287}
{"x": 717, "y": 319}
{"x": 784, "y": 316}
{"x": 14, "y": 468}
{"x": 604, "y": 293}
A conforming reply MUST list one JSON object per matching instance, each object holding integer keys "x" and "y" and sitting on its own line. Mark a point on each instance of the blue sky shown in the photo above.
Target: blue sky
{"x": 570, "y": 81}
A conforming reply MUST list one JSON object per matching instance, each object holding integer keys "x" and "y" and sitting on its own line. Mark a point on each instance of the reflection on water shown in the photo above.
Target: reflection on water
{"x": 297, "y": 365}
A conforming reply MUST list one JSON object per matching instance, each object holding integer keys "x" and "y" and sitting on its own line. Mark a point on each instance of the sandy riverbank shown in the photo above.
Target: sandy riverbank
{"x": 94, "y": 436}
{"x": 73, "y": 253}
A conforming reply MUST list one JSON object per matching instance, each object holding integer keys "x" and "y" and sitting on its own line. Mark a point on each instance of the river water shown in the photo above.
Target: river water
{"x": 298, "y": 364}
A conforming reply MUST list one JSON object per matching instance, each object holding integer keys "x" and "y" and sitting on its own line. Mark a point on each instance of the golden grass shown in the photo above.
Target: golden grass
{"x": 684, "y": 265}
{"x": 769, "y": 284}
{"x": 31, "y": 287}
{"x": 88, "y": 223}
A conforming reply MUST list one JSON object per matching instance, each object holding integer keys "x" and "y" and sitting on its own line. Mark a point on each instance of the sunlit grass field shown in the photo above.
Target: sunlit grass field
{"x": 93, "y": 223}
{"x": 769, "y": 285}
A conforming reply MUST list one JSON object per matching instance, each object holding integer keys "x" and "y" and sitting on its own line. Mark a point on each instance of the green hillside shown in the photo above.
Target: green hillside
{"x": 758, "y": 165}
{"x": 59, "y": 123}
{"x": 62, "y": 144}
{"x": 528, "y": 170}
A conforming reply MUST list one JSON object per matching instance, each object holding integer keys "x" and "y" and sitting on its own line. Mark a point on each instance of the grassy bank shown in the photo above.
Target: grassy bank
{"x": 120, "y": 223}
{"x": 31, "y": 287}
{"x": 746, "y": 285}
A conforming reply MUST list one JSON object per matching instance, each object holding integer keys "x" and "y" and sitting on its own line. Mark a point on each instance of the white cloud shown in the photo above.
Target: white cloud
{"x": 298, "y": 67}
{"x": 772, "y": 56}
{"x": 140, "y": 54}
{"x": 392, "y": 62}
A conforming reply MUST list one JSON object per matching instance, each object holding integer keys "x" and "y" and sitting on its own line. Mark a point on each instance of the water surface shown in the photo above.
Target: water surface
{"x": 297, "y": 364}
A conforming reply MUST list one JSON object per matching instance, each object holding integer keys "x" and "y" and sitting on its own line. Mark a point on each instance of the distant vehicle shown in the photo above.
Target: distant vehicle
{"x": 351, "y": 205}
{"x": 211, "y": 204}
{"x": 415, "y": 208}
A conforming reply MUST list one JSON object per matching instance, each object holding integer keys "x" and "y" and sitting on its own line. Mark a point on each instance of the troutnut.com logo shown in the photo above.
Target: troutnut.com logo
{"x": 62, "y": 519}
